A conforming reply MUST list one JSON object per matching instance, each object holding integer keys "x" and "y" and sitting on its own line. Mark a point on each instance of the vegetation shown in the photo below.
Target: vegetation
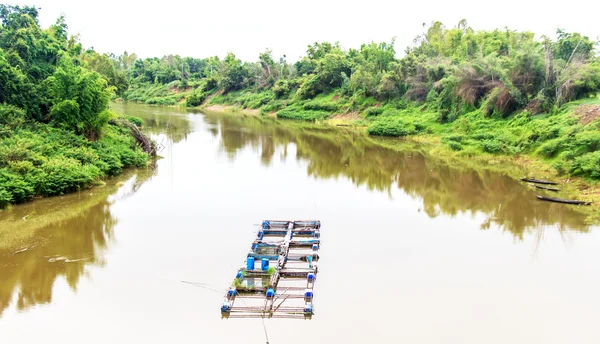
{"x": 56, "y": 132}
{"x": 496, "y": 92}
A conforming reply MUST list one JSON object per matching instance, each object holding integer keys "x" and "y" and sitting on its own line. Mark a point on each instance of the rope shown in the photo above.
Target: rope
{"x": 265, "y": 328}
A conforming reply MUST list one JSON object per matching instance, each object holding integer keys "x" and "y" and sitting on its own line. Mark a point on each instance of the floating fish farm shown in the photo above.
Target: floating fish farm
{"x": 279, "y": 274}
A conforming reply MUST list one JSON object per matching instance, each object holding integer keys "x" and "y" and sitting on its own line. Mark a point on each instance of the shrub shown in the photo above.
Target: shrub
{"x": 303, "y": 115}
{"x": 281, "y": 88}
{"x": 11, "y": 116}
{"x": 491, "y": 146}
{"x": 552, "y": 147}
{"x": 61, "y": 175}
{"x": 373, "y": 111}
{"x": 391, "y": 127}
{"x": 134, "y": 120}
{"x": 587, "y": 165}
{"x": 196, "y": 98}
{"x": 16, "y": 186}
{"x": 5, "y": 198}
{"x": 320, "y": 106}
{"x": 456, "y": 146}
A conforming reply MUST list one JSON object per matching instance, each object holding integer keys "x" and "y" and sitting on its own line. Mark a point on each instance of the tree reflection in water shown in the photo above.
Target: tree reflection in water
{"x": 58, "y": 237}
{"x": 379, "y": 165}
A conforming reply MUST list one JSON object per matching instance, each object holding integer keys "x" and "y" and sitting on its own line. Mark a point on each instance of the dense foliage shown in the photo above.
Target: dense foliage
{"x": 497, "y": 92}
{"x": 55, "y": 135}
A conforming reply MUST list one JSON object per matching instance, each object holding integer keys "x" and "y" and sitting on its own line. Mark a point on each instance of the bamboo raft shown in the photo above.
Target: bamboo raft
{"x": 282, "y": 286}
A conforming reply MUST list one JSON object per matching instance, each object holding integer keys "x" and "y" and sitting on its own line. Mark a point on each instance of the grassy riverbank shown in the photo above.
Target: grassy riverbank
{"x": 566, "y": 142}
{"x": 40, "y": 160}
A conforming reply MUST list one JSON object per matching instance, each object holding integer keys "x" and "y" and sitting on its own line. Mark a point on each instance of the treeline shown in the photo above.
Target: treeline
{"x": 454, "y": 70}
{"x": 478, "y": 92}
{"x": 56, "y": 132}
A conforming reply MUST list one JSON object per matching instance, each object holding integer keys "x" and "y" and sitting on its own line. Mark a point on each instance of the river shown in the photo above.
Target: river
{"x": 415, "y": 250}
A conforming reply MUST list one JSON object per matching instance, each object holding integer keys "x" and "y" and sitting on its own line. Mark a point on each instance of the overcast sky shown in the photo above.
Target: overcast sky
{"x": 245, "y": 27}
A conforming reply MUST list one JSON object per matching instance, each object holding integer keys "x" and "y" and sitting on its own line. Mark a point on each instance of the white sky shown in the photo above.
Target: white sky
{"x": 245, "y": 27}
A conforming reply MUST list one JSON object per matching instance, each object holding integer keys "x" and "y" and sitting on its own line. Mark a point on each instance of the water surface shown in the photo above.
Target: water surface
{"x": 414, "y": 250}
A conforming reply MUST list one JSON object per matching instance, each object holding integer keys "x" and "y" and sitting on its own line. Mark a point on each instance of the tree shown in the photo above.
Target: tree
{"x": 79, "y": 99}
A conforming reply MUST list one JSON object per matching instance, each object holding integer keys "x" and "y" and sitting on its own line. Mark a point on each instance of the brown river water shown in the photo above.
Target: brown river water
{"x": 414, "y": 250}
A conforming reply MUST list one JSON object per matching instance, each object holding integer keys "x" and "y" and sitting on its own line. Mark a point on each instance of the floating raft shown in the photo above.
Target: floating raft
{"x": 279, "y": 274}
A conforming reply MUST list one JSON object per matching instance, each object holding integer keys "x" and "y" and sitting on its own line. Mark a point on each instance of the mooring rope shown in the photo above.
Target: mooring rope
{"x": 265, "y": 328}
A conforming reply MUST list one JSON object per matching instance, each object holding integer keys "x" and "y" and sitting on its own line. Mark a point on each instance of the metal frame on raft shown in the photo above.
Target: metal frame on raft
{"x": 282, "y": 286}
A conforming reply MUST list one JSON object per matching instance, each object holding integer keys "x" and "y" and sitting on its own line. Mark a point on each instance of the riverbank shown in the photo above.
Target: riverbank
{"x": 435, "y": 147}
{"x": 38, "y": 160}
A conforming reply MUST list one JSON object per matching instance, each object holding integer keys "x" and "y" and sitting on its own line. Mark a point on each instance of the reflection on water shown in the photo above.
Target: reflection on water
{"x": 443, "y": 189}
{"x": 171, "y": 122}
{"x": 63, "y": 236}
{"x": 58, "y": 237}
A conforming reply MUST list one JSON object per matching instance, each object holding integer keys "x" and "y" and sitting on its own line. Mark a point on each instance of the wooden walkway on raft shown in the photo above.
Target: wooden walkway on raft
{"x": 278, "y": 278}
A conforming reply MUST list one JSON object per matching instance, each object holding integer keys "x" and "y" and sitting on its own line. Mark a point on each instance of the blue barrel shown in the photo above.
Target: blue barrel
{"x": 310, "y": 276}
{"x": 250, "y": 263}
{"x": 264, "y": 264}
{"x": 315, "y": 247}
{"x": 232, "y": 291}
{"x": 240, "y": 274}
{"x": 265, "y": 224}
{"x": 270, "y": 292}
{"x": 308, "y": 294}
{"x": 226, "y": 307}
{"x": 261, "y": 234}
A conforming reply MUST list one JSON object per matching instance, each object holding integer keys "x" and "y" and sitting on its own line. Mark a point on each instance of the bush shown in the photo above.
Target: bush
{"x": 391, "y": 127}
{"x": 11, "y": 116}
{"x": 5, "y": 198}
{"x": 196, "y": 98}
{"x": 552, "y": 147}
{"x": 281, "y": 88}
{"x": 373, "y": 111}
{"x": 16, "y": 186}
{"x": 321, "y": 106}
{"x": 134, "y": 120}
{"x": 491, "y": 146}
{"x": 62, "y": 175}
{"x": 39, "y": 160}
{"x": 587, "y": 165}
{"x": 456, "y": 146}
{"x": 303, "y": 115}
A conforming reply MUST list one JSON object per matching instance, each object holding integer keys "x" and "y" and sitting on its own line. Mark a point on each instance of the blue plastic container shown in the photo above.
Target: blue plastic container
{"x": 231, "y": 292}
{"x": 315, "y": 247}
{"x": 308, "y": 294}
{"x": 261, "y": 234}
{"x": 264, "y": 264}
{"x": 270, "y": 292}
{"x": 265, "y": 224}
{"x": 310, "y": 276}
{"x": 226, "y": 307}
{"x": 240, "y": 274}
{"x": 250, "y": 263}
